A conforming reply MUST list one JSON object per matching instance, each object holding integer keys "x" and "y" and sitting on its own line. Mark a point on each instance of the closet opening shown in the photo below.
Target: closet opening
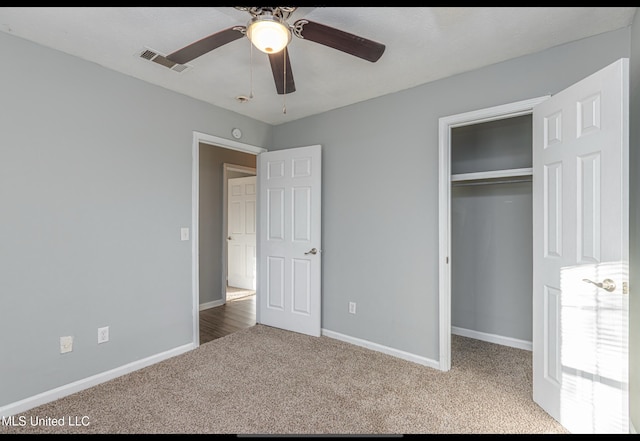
{"x": 492, "y": 231}
{"x": 486, "y": 227}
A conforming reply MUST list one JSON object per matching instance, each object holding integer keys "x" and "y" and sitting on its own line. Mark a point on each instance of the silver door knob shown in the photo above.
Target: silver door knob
{"x": 312, "y": 251}
{"x": 606, "y": 284}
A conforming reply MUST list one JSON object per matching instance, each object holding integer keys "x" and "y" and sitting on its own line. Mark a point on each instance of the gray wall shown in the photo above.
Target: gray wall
{"x": 494, "y": 145}
{"x": 95, "y": 183}
{"x": 634, "y": 224}
{"x": 380, "y": 165}
{"x": 210, "y": 221}
{"x": 492, "y": 259}
{"x": 492, "y": 230}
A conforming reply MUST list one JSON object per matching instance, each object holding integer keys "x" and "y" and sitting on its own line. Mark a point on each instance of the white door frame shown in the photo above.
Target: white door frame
{"x": 225, "y": 216}
{"x": 215, "y": 141}
{"x": 444, "y": 205}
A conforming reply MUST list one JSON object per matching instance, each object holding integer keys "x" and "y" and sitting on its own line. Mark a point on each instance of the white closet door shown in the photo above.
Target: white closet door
{"x": 580, "y": 303}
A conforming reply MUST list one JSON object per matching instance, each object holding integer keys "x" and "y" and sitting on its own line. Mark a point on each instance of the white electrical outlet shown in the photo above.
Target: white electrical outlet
{"x": 103, "y": 334}
{"x": 66, "y": 344}
{"x": 352, "y": 307}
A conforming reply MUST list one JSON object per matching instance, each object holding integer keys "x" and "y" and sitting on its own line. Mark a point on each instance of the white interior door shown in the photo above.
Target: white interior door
{"x": 580, "y": 197}
{"x": 289, "y": 241}
{"x": 241, "y": 232}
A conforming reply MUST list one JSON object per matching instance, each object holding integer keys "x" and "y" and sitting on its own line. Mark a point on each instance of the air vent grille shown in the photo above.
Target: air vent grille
{"x": 180, "y": 67}
{"x": 147, "y": 54}
{"x": 157, "y": 58}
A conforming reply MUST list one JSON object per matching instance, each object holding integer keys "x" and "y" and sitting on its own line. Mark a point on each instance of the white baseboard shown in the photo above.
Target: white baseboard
{"x": 213, "y": 304}
{"x": 77, "y": 386}
{"x": 384, "y": 349}
{"x": 492, "y": 338}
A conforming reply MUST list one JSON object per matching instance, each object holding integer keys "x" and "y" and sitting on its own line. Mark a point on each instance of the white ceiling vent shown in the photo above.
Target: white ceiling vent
{"x": 151, "y": 55}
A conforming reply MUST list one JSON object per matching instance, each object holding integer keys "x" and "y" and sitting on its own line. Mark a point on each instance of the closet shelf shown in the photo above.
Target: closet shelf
{"x": 494, "y": 174}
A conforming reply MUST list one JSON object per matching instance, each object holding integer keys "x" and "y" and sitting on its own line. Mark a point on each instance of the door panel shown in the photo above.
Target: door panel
{"x": 553, "y": 209}
{"x": 580, "y": 338}
{"x": 241, "y": 232}
{"x": 290, "y": 239}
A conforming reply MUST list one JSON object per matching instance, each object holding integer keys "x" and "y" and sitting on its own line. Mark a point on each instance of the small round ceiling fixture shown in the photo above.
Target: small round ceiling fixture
{"x": 236, "y": 133}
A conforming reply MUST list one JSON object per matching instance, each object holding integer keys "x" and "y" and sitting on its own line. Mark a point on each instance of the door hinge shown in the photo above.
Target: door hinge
{"x": 625, "y": 287}
{"x": 447, "y": 259}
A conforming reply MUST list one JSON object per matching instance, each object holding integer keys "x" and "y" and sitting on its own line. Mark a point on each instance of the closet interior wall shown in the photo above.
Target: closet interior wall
{"x": 491, "y": 230}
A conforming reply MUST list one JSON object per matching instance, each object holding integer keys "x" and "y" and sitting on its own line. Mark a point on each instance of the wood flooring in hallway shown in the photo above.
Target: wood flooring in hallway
{"x": 226, "y": 319}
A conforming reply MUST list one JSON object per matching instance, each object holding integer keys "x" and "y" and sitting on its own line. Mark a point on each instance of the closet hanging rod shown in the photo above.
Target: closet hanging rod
{"x": 489, "y": 182}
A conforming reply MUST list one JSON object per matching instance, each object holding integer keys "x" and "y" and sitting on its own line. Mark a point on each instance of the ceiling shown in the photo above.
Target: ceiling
{"x": 423, "y": 44}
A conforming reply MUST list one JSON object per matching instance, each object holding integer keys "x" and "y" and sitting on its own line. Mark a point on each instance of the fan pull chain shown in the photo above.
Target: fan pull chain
{"x": 284, "y": 96}
{"x": 250, "y": 70}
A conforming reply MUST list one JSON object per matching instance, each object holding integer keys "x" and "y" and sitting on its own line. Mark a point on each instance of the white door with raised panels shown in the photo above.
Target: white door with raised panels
{"x": 581, "y": 254}
{"x": 289, "y": 242}
{"x": 241, "y": 232}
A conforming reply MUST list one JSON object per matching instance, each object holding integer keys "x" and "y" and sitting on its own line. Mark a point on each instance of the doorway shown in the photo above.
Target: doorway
{"x": 209, "y": 245}
{"x": 447, "y": 178}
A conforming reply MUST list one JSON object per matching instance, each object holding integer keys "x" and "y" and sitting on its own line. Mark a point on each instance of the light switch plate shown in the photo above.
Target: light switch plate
{"x": 184, "y": 233}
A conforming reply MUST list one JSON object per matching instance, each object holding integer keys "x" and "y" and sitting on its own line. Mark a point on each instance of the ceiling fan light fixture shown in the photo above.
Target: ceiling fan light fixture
{"x": 268, "y": 33}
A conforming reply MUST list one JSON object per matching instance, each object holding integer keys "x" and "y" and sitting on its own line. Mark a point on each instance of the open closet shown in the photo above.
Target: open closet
{"x": 491, "y": 230}
{"x": 577, "y": 321}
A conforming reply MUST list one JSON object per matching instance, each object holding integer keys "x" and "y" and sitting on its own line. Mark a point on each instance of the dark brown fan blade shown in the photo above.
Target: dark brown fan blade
{"x": 340, "y": 40}
{"x": 277, "y": 67}
{"x": 207, "y": 44}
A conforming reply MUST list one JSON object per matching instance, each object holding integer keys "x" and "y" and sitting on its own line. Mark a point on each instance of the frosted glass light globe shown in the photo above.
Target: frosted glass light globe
{"x": 268, "y": 34}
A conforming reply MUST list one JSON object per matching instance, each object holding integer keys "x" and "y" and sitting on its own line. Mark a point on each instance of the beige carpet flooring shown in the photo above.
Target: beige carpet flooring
{"x": 263, "y": 381}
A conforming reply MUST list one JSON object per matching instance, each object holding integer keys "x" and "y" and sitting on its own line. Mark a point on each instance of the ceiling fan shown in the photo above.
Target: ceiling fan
{"x": 269, "y": 31}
